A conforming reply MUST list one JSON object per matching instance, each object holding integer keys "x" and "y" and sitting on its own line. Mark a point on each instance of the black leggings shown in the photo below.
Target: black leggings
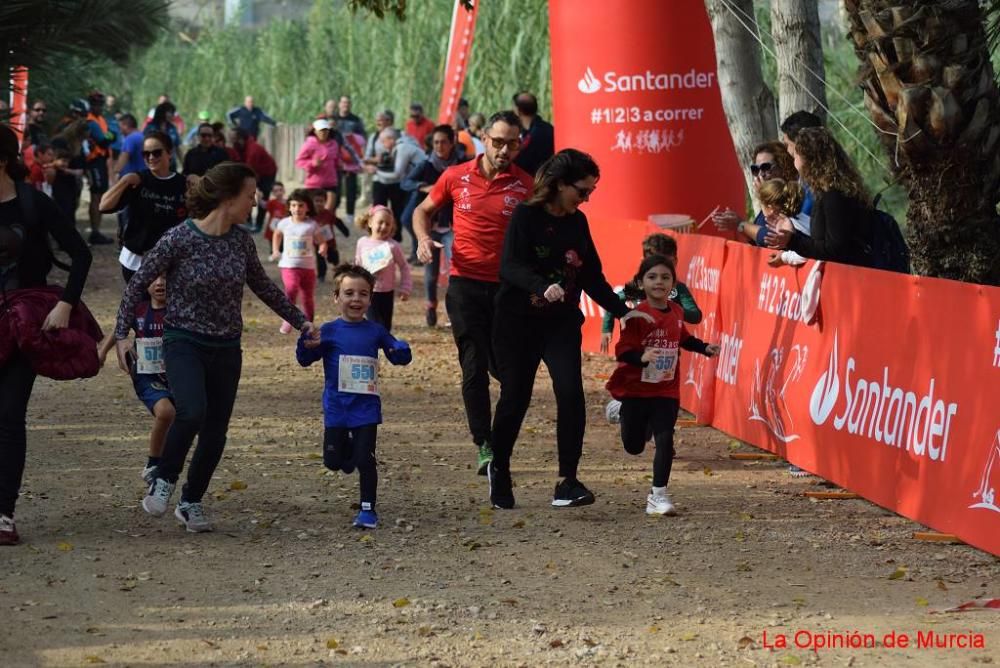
{"x": 380, "y": 308}
{"x": 203, "y": 380}
{"x": 347, "y": 190}
{"x": 346, "y": 449}
{"x": 638, "y": 416}
{"x": 16, "y": 381}
{"x": 332, "y": 258}
{"x": 520, "y": 344}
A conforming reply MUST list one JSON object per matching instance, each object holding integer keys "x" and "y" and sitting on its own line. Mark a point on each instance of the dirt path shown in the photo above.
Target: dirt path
{"x": 284, "y": 580}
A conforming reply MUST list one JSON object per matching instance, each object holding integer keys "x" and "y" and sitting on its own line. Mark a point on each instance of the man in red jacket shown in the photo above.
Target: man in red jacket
{"x": 246, "y": 149}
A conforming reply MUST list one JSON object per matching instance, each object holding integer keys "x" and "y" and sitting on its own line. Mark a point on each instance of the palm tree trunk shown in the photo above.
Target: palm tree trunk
{"x": 930, "y": 88}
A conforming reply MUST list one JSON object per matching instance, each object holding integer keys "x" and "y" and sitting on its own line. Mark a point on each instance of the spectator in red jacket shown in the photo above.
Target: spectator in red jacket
{"x": 246, "y": 149}
{"x": 419, "y": 126}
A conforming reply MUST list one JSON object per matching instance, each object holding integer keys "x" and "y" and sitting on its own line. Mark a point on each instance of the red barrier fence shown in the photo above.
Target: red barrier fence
{"x": 894, "y": 393}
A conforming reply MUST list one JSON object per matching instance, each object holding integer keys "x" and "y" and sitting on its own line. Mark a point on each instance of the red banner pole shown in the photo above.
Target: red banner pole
{"x": 463, "y": 30}
{"x": 18, "y": 100}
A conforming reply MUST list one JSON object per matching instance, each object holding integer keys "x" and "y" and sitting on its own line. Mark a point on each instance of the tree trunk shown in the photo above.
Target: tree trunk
{"x": 929, "y": 86}
{"x": 798, "y": 49}
{"x": 746, "y": 99}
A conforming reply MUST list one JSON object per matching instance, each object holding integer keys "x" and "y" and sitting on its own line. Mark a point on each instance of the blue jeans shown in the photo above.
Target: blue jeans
{"x": 204, "y": 380}
{"x": 433, "y": 268}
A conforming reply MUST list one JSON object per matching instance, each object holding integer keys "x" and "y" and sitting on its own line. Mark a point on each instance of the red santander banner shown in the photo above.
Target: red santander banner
{"x": 637, "y": 90}
{"x": 872, "y": 396}
{"x": 463, "y": 29}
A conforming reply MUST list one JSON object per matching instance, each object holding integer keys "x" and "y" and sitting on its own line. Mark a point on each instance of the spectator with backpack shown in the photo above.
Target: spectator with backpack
{"x": 842, "y": 227}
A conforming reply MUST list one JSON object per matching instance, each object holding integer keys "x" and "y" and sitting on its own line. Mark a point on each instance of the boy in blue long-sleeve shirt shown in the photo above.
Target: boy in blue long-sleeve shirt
{"x": 352, "y": 409}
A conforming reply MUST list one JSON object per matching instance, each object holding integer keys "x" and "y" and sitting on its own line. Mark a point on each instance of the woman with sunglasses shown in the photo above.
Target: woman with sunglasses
{"x": 548, "y": 259}
{"x": 771, "y": 160}
{"x": 154, "y": 199}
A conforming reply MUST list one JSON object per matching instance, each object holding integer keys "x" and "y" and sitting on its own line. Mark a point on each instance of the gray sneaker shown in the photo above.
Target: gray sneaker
{"x": 158, "y": 497}
{"x": 192, "y": 516}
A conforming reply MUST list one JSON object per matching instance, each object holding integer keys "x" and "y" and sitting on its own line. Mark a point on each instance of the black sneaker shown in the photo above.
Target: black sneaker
{"x": 432, "y": 317}
{"x": 98, "y": 239}
{"x": 501, "y": 492}
{"x": 571, "y": 493}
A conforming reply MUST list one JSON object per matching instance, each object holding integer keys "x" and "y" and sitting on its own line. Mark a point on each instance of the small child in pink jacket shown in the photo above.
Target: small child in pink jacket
{"x": 380, "y": 254}
{"x": 319, "y": 157}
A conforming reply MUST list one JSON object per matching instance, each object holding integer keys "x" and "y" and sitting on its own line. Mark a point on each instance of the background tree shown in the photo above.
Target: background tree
{"x": 45, "y": 35}
{"x": 930, "y": 88}
{"x": 746, "y": 98}
{"x": 798, "y": 50}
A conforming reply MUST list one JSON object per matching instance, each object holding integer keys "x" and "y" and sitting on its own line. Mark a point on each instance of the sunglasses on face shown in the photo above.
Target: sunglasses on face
{"x": 39, "y": 110}
{"x": 150, "y": 155}
{"x": 762, "y": 168}
{"x": 500, "y": 142}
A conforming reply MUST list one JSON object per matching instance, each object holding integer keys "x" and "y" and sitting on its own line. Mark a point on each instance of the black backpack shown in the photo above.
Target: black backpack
{"x": 887, "y": 248}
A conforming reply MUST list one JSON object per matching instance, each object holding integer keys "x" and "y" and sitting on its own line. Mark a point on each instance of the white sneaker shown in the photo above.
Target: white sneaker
{"x": 147, "y": 474}
{"x": 660, "y": 504}
{"x": 613, "y": 411}
{"x": 192, "y": 516}
{"x": 158, "y": 497}
{"x": 349, "y": 219}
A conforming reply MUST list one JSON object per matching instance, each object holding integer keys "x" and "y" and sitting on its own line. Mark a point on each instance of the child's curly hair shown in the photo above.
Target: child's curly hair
{"x": 785, "y": 197}
{"x": 363, "y": 219}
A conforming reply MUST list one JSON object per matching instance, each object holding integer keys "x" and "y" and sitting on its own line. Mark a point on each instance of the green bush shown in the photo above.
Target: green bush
{"x": 292, "y": 67}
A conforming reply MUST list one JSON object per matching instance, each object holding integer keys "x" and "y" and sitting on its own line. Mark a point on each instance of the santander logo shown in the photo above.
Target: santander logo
{"x": 589, "y": 83}
{"x": 824, "y": 395}
{"x": 874, "y": 409}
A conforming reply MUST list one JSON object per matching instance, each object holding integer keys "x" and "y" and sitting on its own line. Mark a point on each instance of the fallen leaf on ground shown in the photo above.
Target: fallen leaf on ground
{"x": 237, "y": 485}
{"x": 332, "y": 643}
{"x": 898, "y": 574}
{"x": 65, "y": 547}
{"x": 401, "y": 602}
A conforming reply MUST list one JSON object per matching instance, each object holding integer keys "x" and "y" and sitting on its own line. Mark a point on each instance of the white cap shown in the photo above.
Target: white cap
{"x": 321, "y": 124}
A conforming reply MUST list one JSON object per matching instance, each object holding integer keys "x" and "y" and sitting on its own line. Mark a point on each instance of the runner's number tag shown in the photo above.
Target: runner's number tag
{"x": 358, "y": 374}
{"x": 297, "y": 247}
{"x": 377, "y": 258}
{"x": 149, "y": 355}
{"x": 662, "y": 368}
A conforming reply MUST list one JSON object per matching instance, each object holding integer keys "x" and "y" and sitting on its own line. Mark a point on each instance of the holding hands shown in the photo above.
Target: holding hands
{"x": 311, "y": 332}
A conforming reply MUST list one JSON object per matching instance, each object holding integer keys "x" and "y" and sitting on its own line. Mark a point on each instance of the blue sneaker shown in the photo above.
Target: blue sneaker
{"x": 366, "y": 518}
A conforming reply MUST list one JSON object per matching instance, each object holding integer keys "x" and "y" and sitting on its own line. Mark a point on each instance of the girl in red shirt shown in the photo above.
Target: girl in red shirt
{"x": 646, "y": 379}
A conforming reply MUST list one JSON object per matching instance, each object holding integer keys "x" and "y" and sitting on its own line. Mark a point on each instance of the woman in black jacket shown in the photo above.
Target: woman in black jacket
{"x": 840, "y": 229}
{"x": 548, "y": 259}
{"x": 27, "y": 219}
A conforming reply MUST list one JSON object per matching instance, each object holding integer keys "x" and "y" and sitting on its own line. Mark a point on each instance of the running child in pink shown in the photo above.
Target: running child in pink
{"x": 302, "y": 236}
{"x": 646, "y": 379}
{"x": 380, "y": 254}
